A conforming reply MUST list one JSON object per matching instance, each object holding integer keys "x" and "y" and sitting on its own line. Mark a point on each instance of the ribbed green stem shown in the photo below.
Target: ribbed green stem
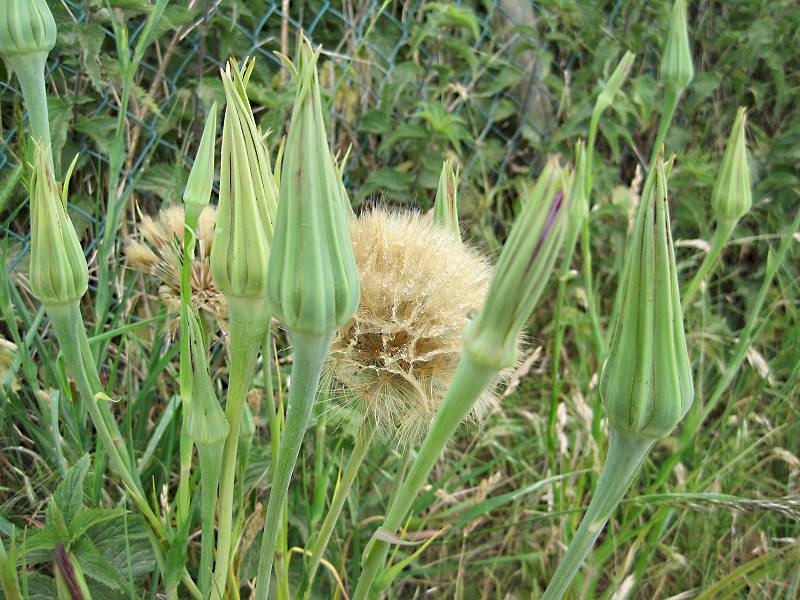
{"x": 249, "y": 322}
{"x": 68, "y": 325}
{"x": 721, "y": 236}
{"x": 309, "y": 355}
{"x": 29, "y": 69}
{"x": 625, "y": 456}
{"x": 671, "y": 96}
{"x": 210, "y": 465}
{"x": 468, "y": 384}
{"x": 363, "y": 441}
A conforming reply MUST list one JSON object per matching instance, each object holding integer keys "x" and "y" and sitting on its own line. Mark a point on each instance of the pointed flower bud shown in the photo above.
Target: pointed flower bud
{"x": 615, "y": 81}
{"x": 70, "y": 582}
{"x": 677, "y": 68}
{"x": 26, "y": 27}
{"x": 445, "y": 208}
{"x": 732, "y": 196}
{"x": 522, "y": 271}
{"x": 313, "y": 282}
{"x": 247, "y": 196}
{"x": 646, "y": 382}
{"x": 206, "y": 423}
{"x": 58, "y": 270}
{"x": 201, "y": 177}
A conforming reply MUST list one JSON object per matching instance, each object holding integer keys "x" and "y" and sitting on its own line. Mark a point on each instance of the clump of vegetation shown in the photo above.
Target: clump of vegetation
{"x": 268, "y": 397}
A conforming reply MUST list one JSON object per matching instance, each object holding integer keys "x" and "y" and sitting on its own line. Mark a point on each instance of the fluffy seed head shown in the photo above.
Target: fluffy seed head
{"x": 393, "y": 360}
{"x": 157, "y": 252}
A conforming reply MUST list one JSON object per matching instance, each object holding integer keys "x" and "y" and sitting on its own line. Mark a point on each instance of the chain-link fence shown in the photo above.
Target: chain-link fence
{"x": 409, "y": 83}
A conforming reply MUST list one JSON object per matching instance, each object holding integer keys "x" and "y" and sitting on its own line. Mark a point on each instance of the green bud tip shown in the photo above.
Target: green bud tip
{"x": 247, "y": 196}
{"x": 732, "y": 196}
{"x": 313, "y": 282}
{"x": 677, "y": 68}
{"x": 614, "y": 83}
{"x": 522, "y": 271}
{"x": 26, "y": 27}
{"x": 646, "y": 382}
{"x": 445, "y": 207}
{"x": 206, "y": 423}
{"x": 201, "y": 177}
{"x": 58, "y": 272}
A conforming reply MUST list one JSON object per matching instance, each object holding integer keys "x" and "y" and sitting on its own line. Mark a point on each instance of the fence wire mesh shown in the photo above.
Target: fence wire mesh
{"x": 408, "y": 84}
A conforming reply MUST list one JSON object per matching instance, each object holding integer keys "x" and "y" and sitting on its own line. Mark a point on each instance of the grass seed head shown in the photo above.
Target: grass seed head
{"x": 393, "y": 360}
{"x": 59, "y": 273}
{"x": 646, "y": 382}
{"x": 157, "y": 251}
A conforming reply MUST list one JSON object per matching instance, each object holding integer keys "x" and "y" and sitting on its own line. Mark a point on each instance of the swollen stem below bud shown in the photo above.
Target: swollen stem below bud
{"x": 309, "y": 356}
{"x": 626, "y": 454}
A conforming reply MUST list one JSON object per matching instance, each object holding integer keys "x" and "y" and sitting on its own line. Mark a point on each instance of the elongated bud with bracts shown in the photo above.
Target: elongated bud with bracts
{"x": 70, "y": 582}
{"x": 59, "y": 273}
{"x": 677, "y": 68}
{"x": 445, "y": 208}
{"x": 206, "y": 423}
{"x": 247, "y": 196}
{"x": 522, "y": 271}
{"x": 201, "y": 177}
{"x": 614, "y": 83}
{"x": 732, "y": 196}
{"x": 646, "y": 382}
{"x": 313, "y": 282}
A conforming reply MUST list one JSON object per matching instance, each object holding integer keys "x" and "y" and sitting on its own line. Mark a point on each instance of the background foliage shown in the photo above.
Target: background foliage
{"x": 498, "y": 86}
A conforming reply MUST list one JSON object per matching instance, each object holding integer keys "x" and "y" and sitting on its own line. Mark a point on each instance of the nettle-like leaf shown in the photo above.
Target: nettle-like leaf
{"x": 68, "y": 496}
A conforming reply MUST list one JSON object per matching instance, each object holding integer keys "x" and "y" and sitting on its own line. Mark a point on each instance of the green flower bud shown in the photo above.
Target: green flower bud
{"x": 206, "y": 423}
{"x": 646, "y": 382}
{"x": 58, "y": 270}
{"x": 615, "y": 81}
{"x": 677, "y": 68}
{"x": 26, "y": 27}
{"x": 522, "y": 271}
{"x": 445, "y": 208}
{"x": 732, "y": 196}
{"x": 201, "y": 177}
{"x": 70, "y": 582}
{"x": 313, "y": 282}
{"x": 247, "y": 193}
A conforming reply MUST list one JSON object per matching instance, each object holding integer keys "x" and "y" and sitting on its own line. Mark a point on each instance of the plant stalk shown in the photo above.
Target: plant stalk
{"x": 721, "y": 236}
{"x": 8, "y": 573}
{"x": 310, "y": 352}
{"x": 30, "y": 73}
{"x": 467, "y": 385}
{"x": 625, "y": 456}
{"x": 320, "y": 543}
{"x": 210, "y": 465}
{"x": 249, "y": 323}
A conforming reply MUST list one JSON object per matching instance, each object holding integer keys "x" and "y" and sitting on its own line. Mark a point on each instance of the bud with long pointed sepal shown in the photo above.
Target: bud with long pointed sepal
{"x": 206, "y": 423}
{"x": 732, "y": 195}
{"x": 522, "y": 271}
{"x": 247, "y": 197}
{"x": 614, "y": 83}
{"x": 677, "y": 68}
{"x": 646, "y": 382}
{"x": 201, "y": 177}
{"x": 445, "y": 207}
{"x": 313, "y": 281}
{"x": 58, "y": 272}
{"x": 70, "y": 582}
